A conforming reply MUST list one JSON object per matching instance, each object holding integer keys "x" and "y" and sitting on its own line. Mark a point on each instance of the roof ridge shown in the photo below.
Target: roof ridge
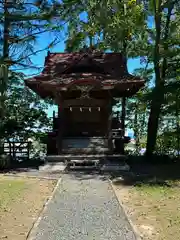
{"x": 118, "y": 53}
{"x": 76, "y": 62}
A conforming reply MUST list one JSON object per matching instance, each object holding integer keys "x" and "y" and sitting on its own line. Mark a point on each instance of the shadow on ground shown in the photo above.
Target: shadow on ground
{"x": 161, "y": 171}
{"x": 23, "y": 166}
{"x": 86, "y": 174}
{"x": 154, "y": 173}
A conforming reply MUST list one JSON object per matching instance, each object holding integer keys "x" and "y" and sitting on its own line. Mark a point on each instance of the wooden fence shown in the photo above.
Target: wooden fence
{"x": 17, "y": 150}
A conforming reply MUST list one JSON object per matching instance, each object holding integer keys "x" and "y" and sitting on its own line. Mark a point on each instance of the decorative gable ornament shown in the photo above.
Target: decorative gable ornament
{"x": 85, "y": 90}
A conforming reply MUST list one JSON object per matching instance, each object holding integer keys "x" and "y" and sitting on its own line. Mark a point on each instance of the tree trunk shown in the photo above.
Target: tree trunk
{"x": 177, "y": 125}
{"x": 4, "y": 79}
{"x": 160, "y": 74}
{"x": 155, "y": 103}
{"x": 153, "y": 123}
{"x": 5, "y": 67}
{"x": 136, "y": 129}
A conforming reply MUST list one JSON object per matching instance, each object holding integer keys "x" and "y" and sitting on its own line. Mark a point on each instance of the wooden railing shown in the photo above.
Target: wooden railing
{"x": 17, "y": 150}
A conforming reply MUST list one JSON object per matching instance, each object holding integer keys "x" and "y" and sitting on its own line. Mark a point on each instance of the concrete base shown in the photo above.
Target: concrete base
{"x": 53, "y": 167}
{"x": 88, "y": 157}
{"x": 100, "y": 162}
{"x": 115, "y": 167}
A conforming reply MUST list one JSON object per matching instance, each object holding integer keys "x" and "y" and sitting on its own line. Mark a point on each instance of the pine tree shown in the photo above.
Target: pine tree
{"x": 21, "y": 23}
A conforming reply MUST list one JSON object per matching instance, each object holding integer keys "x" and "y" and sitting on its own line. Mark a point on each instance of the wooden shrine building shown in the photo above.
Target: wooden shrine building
{"x": 83, "y": 85}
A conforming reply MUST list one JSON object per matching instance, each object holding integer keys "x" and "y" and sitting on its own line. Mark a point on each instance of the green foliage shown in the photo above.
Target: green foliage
{"x": 109, "y": 25}
{"x": 25, "y": 113}
{"x": 26, "y": 21}
{"x": 22, "y": 114}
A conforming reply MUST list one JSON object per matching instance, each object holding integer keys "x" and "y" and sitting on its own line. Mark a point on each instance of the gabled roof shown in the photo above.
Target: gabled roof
{"x": 59, "y": 63}
{"x": 64, "y": 69}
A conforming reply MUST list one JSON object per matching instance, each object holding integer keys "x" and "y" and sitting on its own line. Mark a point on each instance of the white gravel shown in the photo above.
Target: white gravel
{"x": 84, "y": 209}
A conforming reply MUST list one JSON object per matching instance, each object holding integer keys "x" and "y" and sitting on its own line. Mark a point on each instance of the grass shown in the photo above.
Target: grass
{"x": 155, "y": 210}
{"x": 10, "y": 191}
{"x": 163, "y": 205}
{"x": 21, "y": 200}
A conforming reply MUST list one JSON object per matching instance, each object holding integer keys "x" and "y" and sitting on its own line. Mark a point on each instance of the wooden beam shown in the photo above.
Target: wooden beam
{"x": 85, "y": 102}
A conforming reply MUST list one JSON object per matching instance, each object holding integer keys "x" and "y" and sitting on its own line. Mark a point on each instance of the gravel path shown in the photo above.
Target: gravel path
{"x": 84, "y": 209}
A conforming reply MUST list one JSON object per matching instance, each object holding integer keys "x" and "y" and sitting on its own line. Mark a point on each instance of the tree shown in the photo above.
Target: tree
{"x": 162, "y": 11}
{"x": 25, "y": 116}
{"x": 137, "y": 109}
{"x": 21, "y": 23}
{"x": 107, "y": 25}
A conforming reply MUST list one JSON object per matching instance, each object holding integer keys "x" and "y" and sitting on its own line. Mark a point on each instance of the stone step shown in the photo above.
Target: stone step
{"x": 79, "y": 167}
{"x": 84, "y": 164}
{"x": 115, "y": 167}
{"x": 84, "y": 161}
{"x": 85, "y": 157}
{"x": 53, "y": 167}
{"x": 89, "y": 150}
{"x": 69, "y": 157}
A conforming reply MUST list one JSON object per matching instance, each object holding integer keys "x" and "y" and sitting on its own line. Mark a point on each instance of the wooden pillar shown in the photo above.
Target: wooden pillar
{"x": 54, "y": 114}
{"x": 110, "y": 143}
{"x": 123, "y": 118}
{"x": 123, "y": 114}
{"x": 59, "y": 101}
{"x": 54, "y": 120}
{"x": 59, "y": 137}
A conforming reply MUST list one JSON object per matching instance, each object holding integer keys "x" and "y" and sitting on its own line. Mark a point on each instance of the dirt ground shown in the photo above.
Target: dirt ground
{"x": 153, "y": 210}
{"x": 21, "y": 200}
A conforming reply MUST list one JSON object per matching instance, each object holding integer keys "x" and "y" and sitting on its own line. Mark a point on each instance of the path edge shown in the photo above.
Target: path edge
{"x": 32, "y": 232}
{"x": 134, "y": 228}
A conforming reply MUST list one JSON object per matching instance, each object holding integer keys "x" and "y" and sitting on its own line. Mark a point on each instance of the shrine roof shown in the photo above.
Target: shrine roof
{"x": 65, "y": 69}
{"x": 59, "y": 63}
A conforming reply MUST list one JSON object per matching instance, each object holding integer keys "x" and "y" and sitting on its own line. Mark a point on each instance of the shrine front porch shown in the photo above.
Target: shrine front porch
{"x": 93, "y": 162}
{"x": 86, "y": 139}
